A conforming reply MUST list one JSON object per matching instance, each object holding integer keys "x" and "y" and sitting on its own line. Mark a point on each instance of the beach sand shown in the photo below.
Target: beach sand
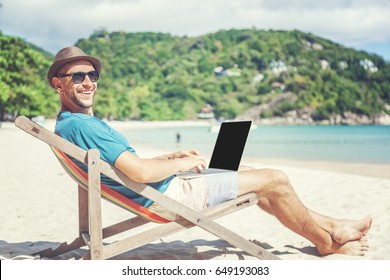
{"x": 39, "y": 206}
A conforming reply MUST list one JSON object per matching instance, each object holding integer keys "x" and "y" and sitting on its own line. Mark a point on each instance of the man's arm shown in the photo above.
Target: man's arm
{"x": 157, "y": 169}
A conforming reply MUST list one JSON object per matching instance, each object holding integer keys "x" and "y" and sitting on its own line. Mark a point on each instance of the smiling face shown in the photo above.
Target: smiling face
{"x": 76, "y": 98}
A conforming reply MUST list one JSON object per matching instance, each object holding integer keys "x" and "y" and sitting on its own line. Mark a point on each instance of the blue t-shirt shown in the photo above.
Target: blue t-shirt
{"x": 89, "y": 132}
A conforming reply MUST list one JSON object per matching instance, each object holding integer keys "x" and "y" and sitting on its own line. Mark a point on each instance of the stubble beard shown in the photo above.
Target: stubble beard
{"x": 82, "y": 103}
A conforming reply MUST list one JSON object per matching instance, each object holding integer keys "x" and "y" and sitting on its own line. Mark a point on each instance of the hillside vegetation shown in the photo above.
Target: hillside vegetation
{"x": 23, "y": 86}
{"x": 252, "y": 73}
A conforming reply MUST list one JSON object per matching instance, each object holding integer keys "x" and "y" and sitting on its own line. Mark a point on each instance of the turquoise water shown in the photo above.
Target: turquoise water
{"x": 370, "y": 144}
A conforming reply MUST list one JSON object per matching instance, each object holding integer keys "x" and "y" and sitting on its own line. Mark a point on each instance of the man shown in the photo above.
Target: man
{"x": 74, "y": 76}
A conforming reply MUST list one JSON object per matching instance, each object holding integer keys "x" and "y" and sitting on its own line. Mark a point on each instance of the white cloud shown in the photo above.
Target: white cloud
{"x": 54, "y": 24}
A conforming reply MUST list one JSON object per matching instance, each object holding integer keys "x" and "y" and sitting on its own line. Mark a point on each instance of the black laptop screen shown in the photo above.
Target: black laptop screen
{"x": 230, "y": 145}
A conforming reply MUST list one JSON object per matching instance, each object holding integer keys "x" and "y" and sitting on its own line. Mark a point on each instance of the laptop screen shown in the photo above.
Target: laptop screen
{"x": 230, "y": 145}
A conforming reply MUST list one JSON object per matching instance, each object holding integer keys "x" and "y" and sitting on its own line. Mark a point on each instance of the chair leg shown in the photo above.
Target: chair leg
{"x": 94, "y": 205}
{"x": 83, "y": 210}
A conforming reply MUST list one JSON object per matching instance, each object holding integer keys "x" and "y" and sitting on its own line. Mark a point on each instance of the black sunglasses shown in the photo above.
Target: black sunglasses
{"x": 79, "y": 77}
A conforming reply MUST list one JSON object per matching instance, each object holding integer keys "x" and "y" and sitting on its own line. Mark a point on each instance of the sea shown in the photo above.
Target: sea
{"x": 364, "y": 144}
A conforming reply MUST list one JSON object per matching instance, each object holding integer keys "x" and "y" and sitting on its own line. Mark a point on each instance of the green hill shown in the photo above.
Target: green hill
{"x": 23, "y": 86}
{"x": 255, "y": 73}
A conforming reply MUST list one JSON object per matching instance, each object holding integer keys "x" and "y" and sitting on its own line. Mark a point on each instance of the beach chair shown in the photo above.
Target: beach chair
{"x": 90, "y": 194}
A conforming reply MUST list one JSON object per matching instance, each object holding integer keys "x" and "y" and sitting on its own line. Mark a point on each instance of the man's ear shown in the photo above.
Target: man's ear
{"x": 56, "y": 83}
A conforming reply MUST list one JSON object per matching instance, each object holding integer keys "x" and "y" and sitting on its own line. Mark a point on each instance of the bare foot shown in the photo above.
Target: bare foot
{"x": 351, "y": 230}
{"x": 353, "y": 248}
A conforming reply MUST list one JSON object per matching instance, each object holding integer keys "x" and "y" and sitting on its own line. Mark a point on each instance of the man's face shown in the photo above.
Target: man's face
{"x": 76, "y": 97}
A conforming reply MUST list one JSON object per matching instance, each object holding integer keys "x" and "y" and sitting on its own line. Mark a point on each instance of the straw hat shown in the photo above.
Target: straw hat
{"x": 67, "y": 55}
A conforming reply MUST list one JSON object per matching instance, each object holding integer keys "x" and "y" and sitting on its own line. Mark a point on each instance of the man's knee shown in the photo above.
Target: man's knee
{"x": 266, "y": 182}
{"x": 280, "y": 183}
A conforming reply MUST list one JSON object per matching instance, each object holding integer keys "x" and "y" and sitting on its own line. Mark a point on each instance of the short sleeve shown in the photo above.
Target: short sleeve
{"x": 91, "y": 134}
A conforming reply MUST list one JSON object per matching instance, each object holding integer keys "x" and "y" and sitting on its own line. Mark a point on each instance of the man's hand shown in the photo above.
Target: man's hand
{"x": 190, "y": 160}
{"x": 183, "y": 154}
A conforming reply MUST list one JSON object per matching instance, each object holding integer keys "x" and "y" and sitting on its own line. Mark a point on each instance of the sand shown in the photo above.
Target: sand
{"x": 39, "y": 206}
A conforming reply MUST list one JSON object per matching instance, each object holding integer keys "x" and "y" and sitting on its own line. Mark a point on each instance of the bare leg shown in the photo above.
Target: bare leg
{"x": 277, "y": 197}
{"x": 342, "y": 231}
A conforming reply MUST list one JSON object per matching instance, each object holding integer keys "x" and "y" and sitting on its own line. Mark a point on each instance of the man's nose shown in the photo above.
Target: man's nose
{"x": 87, "y": 81}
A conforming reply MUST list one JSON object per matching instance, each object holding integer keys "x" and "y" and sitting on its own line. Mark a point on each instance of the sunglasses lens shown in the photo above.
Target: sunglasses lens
{"x": 93, "y": 76}
{"x": 78, "y": 77}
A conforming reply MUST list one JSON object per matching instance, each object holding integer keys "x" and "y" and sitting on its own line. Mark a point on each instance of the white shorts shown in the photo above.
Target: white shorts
{"x": 199, "y": 193}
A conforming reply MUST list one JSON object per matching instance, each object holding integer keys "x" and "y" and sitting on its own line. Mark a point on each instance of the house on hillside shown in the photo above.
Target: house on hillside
{"x": 324, "y": 64}
{"x": 368, "y": 65}
{"x": 219, "y": 71}
{"x": 258, "y": 77}
{"x": 343, "y": 64}
{"x": 206, "y": 112}
{"x": 277, "y": 66}
{"x": 277, "y": 85}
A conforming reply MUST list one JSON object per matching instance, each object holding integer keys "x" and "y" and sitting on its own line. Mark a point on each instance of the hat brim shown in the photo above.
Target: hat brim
{"x": 53, "y": 70}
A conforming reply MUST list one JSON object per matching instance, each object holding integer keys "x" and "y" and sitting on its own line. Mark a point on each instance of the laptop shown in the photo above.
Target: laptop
{"x": 228, "y": 150}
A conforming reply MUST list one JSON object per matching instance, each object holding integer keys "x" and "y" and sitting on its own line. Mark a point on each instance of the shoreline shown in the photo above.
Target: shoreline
{"x": 196, "y": 122}
{"x": 375, "y": 170}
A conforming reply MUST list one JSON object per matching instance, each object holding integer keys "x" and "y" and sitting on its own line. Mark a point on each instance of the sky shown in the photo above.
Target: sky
{"x": 53, "y": 24}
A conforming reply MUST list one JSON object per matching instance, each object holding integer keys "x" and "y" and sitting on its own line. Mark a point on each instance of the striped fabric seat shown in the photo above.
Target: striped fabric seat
{"x": 81, "y": 177}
